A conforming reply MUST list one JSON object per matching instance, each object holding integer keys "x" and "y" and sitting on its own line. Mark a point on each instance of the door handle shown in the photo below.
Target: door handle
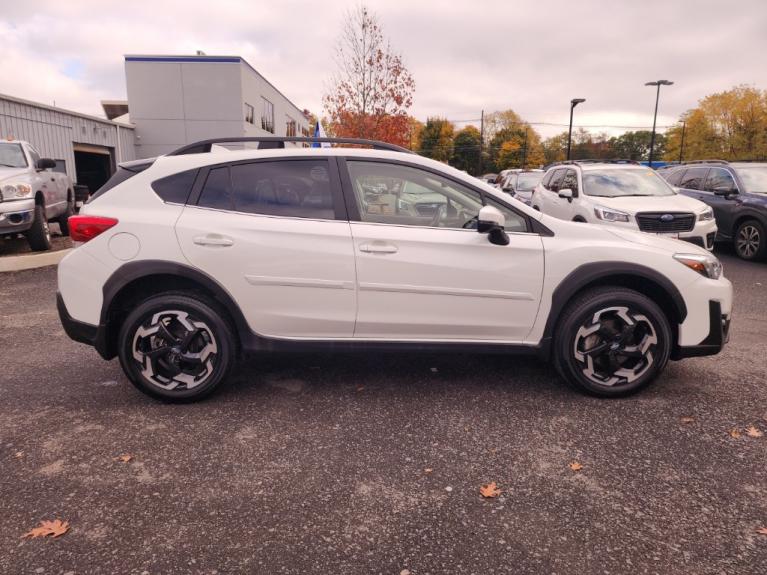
{"x": 213, "y": 240}
{"x": 378, "y": 248}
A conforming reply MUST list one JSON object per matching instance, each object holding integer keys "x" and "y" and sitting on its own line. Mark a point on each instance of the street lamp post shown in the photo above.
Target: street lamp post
{"x": 657, "y": 83}
{"x": 574, "y": 102}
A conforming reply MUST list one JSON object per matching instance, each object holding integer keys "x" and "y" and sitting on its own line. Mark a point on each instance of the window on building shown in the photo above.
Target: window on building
{"x": 250, "y": 114}
{"x": 267, "y": 115}
{"x": 290, "y": 126}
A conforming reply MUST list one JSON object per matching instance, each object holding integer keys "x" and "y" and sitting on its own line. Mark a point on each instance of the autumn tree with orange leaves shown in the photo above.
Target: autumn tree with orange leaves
{"x": 372, "y": 89}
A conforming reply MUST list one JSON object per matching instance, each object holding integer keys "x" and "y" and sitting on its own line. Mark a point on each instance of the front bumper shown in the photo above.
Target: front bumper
{"x": 16, "y": 216}
{"x": 703, "y": 234}
{"x": 718, "y": 335}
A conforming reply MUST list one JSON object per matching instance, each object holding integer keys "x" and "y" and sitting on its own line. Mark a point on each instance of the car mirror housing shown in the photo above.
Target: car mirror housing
{"x": 45, "y": 163}
{"x": 725, "y": 191}
{"x": 491, "y": 221}
{"x": 566, "y": 193}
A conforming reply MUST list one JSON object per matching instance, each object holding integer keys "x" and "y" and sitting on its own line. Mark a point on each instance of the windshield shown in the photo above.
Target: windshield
{"x": 616, "y": 183}
{"x": 527, "y": 182}
{"x": 12, "y": 156}
{"x": 755, "y": 179}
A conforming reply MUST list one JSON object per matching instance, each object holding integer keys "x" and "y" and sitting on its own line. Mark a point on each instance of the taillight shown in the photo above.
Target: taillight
{"x": 83, "y": 228}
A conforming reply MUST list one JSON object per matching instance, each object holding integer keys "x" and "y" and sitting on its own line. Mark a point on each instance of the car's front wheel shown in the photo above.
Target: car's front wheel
{"x": 612, "y": 342}
{"x": 751, "y": 241}
{"x": 177, "y": 347}
{"x": 39, "y": 235}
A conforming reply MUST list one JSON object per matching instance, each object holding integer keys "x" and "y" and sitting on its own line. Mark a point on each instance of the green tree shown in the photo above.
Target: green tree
{"x": 436, "y": 140}
{"x": 466, "y": 146}
{"x": 636, "y": 145}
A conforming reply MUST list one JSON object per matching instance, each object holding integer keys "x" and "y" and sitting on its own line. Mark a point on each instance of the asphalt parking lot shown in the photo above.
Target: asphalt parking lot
{"x": 318, "y": 463}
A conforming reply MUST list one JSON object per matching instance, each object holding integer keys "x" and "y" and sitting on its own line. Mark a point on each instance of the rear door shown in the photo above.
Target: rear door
{"x": 423, "y": 271}
{"x": 274, "y": 234}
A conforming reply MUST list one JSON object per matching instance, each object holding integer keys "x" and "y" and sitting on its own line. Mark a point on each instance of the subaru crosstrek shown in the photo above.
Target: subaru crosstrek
{"x": 188, "y": 260}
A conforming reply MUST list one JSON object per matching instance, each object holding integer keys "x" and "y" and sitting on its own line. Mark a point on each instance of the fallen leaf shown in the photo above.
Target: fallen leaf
{"x": 405, "y": 572}
{"x": 125, "y": 458}
{"x": 56, "y": 528}
{"x": 360, "y": 387}
{"x": 687, "y": 419}
{"x": 575, "y": 466}
{"x": 734, "y": 433}
{"x": 19, "y": 454}
{"x": 490, "y": 490}
{"x": 762, "y": 531}
{"x": 428, "y": 470}
{"x": 752, "y": 431}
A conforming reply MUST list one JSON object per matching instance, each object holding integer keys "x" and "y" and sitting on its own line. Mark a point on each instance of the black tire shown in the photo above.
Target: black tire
{"x": 750, "y": 241}
{"x": 63, "y": 219}
{"x": 39, "y": 236}
{"x": 211, "y": 336}
{"x": 626, "y": 356}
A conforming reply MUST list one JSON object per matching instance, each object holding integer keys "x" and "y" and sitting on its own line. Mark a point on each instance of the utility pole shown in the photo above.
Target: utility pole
{"x": 574, "y": 102}
{"x": 524, "y": 150}
{"x": 481, "y": 139}
{"x": 657, "y": 83}
{"x": 681, "y": 146}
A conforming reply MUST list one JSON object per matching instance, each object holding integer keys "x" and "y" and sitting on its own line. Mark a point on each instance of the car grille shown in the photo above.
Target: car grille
{"x": 665, "y": 222}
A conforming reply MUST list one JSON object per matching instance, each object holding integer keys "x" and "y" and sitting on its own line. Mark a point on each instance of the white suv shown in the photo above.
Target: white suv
{"x": 624, "y": 194}
{"x": 190, "y": 259}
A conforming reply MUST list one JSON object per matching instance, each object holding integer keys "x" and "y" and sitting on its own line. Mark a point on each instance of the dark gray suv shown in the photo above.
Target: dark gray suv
{"x": 737, "y": 192}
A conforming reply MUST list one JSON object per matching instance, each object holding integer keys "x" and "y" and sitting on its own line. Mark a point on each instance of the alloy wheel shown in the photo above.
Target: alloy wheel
{"x": 175, "y": 350}
{"x": 615, "y": 346}
{"x": 748, "y": 241}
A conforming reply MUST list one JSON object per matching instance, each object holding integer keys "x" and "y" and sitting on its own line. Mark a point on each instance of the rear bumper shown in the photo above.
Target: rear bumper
{"x": 718, "y": 335}
{"x": 93, "y": 335}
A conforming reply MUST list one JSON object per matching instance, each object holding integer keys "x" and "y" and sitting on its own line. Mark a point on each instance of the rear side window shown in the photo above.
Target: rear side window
{"x": 175, "y": 189}
{"x": 693, "y": 179}
{"x": 289, "y": 188}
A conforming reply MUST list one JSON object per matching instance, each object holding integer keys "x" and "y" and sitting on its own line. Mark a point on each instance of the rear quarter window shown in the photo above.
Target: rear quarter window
{"x": 175, "y": 189}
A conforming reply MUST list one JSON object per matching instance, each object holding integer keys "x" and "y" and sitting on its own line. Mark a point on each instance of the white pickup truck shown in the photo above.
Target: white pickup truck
{"x": 31, "y": 195}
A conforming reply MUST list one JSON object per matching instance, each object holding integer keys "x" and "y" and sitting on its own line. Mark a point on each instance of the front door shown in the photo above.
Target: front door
{"x": 423, "y": 271}
{"x": 274, "y": 234}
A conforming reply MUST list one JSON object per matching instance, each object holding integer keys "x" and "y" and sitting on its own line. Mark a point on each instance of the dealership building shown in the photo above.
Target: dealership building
{"x": 172, "y": 101}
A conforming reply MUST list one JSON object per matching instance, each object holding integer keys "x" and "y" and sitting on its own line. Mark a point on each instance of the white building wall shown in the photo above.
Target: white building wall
{"x": 54, "y": 131}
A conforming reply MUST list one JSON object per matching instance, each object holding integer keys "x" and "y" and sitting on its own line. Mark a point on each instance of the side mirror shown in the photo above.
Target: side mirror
{"x": 726, "y": 192}
{"x": 491, "y": 222}
{"x": 45, "y": 163}
{"x": 567, "y": 194}
{"x": 508, "y": 189}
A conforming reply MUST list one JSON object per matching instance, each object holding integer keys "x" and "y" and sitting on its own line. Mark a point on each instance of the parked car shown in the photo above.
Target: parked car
{"x": 737, "y": 192}
{"x": 191, "y": 258}
{"x": 501, "y": 177}
{"x": 625, "y": 194}
{"x": 488, "y": 178}
{"x": 31, "y": 195}
{"x": 522, "y": 184}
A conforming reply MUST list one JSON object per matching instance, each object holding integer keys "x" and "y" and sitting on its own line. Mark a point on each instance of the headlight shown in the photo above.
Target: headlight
{"x": 609, "y": 215}
{"x": 706, "y": 265}
{"x": 16, "y": 191}
{"x": 706, "y": 216}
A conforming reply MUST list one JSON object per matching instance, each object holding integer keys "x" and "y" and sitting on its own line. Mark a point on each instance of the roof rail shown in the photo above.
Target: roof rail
{"x": 594, "y": 161}
{"x": 704, "y": 162}
{"x": 204, "y": 146}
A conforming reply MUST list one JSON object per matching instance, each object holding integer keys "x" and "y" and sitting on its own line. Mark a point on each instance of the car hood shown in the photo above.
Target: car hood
{"x": 12, "y": 173}
{"x": 635, "y": 204}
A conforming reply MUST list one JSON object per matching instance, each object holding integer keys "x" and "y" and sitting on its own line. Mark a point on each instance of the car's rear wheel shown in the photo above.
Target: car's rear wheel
{"x": 751, "y": 240}
{"x": 63, "y": 219}
{"x": 612, "y": 342}
{"x": 39, "y": 235}
{"x": 177, "y": 347}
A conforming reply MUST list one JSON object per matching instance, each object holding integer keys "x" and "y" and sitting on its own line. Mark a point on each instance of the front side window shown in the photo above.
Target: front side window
{"x": 403, "y": 195}
{"x": 250, "y": 114}
{"x": 693, "y": 179}
{"x": 719, "y": 178}
{"x": 514, "y": 221}
{"x": 547, "y": 179}
{"x": 556, "y": 181}
{"x": 288, "y": 188}
{"x": 674, "y": 177}
{"x": 570, "y": 181}
{"x": 12, "y": 156}
{"x": 618, "y": 183}
{"x": 34, "y": 156}
{"x": 754, "y": 179}
{"x": 267, "y": 115}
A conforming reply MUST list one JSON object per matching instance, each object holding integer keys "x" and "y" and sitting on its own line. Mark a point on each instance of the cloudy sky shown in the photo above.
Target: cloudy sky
{"x": 532, "y": 56}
